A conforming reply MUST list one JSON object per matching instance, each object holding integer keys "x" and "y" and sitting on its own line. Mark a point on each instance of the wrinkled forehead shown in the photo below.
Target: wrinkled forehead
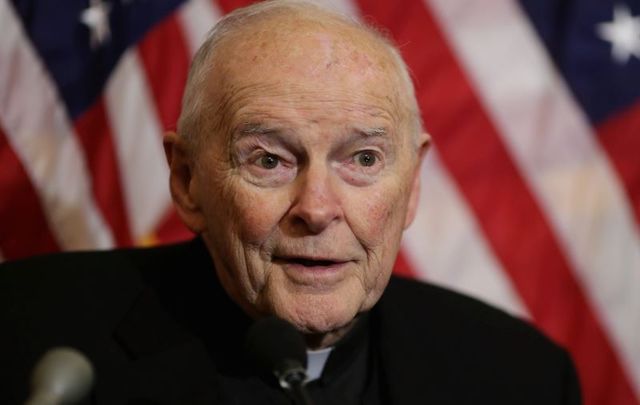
{"x": 307, "y": 46}
{"x": 330, "y": 57}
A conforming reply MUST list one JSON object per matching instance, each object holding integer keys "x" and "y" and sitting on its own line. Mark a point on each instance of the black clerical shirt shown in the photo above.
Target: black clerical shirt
{"x": 350, "y": 376}
{"x": 159, "y": 328}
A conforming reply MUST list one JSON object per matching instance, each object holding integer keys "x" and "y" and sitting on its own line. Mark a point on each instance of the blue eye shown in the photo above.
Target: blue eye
{"x": 269, "y": 161}
{"x": 366, "y": 158}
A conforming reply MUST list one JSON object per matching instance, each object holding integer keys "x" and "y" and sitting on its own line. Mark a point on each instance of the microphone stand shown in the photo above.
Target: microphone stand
{"x": 293, "y": 380}
{"x": 300, "y": 395}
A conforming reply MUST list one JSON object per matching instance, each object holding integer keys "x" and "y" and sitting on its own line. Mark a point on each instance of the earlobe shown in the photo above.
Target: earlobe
{"x": 423, "y": 147}
{"x": 182, "y": 183}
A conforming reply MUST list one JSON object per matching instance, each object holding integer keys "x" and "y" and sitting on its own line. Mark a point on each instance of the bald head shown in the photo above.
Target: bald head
{"x": 301, "y": 38}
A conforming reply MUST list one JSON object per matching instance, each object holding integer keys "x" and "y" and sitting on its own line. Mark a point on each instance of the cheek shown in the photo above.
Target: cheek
{"x": 257, "y": 213}
{"x": 377, "y": 216}
{"x": 378, "y": 224}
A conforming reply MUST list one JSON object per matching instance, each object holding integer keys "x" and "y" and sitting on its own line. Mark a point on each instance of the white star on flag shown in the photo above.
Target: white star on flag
{"x": 96, "y": 17}
{"x": 623, "y": 33}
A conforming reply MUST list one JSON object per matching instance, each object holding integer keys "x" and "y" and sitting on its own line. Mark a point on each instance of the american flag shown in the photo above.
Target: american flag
{"x": 531, "y": 195}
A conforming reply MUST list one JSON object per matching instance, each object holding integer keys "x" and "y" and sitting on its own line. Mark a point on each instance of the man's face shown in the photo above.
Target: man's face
{"x": 304, "y": 186}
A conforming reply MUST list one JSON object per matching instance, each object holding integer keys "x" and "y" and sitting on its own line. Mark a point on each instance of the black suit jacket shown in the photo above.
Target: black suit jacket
{"x": 159, "y": 328}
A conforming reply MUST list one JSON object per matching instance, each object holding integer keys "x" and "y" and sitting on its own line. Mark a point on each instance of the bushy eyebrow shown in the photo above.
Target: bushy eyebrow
{"x": 253, "y": 128}
{"x": 379, "y": 134}
{"x": 374, "y": 132}
{"x": 249, "y": 129}
{"x": 259, "y": 130}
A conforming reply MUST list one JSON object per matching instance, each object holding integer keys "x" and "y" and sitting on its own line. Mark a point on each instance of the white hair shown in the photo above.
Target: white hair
{"x": 195, "y": 103}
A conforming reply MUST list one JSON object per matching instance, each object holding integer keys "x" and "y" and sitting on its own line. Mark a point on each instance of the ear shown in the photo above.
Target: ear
{"x": 182, "y": 183}
{"x": 423, "y": 147}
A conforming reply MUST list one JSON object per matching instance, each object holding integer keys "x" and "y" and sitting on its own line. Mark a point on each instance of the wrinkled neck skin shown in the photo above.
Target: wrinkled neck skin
{"x": 324, "y": 340}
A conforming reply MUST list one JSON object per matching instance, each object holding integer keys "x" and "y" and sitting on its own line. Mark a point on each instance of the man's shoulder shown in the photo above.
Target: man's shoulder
{"x": 96, "y": 258}
{"x": 428, "y": 305}
{"x": 419, "y": 296}
{"x": 69, "y": 286}
{"x": 125, "y": 309}
{"x": 77, "y": 267}
{"x": 474, "y": 352}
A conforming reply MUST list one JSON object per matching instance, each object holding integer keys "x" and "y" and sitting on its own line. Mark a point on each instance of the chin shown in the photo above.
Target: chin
{"x": 317, "y": 314}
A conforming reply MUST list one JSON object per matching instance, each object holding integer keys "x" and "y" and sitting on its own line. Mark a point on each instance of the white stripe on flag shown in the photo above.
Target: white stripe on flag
{"x": 196, "y": 18}
{"x": 138, "y": 142}
{"x": 447, "y": 247}
{"x": 42, "y": 137}
{"x": 555, "y": 148}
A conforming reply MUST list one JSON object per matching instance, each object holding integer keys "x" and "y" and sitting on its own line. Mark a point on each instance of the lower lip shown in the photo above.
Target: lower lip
{"x": 314, "y": 274}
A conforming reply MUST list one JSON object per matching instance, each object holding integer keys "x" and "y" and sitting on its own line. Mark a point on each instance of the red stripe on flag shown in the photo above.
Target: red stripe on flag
{"x": 471, "y": 149}
{"x": 94, "y": 134}
{"x": 165, "y": 58}
{"x": 22, "y": 215}
{"x": 620, "y": 137}
{"x": 171, "y": 229}
{"x": 229, "y": 5}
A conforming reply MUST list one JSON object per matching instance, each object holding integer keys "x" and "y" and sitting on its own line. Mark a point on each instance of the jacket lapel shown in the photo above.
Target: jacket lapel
{"x": 414, "y": 365}
{"x": 167, "y": 363}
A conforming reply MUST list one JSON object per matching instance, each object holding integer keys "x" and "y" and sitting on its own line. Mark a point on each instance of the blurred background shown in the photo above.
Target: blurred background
{"x": 531, "y": 194}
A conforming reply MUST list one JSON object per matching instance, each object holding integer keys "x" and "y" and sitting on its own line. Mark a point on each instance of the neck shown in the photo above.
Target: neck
{"x": 316, "y": 341}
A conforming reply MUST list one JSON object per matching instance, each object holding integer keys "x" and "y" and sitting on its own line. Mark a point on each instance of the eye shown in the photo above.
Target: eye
{"x": 269, "y": 161}
{"x": 366, "y": 158}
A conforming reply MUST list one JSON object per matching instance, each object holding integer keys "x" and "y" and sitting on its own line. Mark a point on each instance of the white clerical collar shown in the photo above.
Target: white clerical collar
{"x": 316, "y": 360}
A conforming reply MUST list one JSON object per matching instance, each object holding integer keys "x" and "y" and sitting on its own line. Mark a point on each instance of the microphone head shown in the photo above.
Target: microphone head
{"x": 276, "y": 347}
{"x": 62, "y": 376}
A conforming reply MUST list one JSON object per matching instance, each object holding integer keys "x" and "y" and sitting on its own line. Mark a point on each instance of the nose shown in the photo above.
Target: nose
{"x": 316, "y": 204}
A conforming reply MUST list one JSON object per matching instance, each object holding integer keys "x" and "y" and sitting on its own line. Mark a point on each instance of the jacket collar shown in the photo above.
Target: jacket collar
{"x": 181, "y": 302}
{"x": 413, "y": 360}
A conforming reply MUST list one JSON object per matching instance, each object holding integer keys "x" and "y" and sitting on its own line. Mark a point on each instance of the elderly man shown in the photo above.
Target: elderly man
{"x": 297, "y": 164}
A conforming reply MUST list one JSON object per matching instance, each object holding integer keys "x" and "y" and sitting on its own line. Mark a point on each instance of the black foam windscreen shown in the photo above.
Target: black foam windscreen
{"x": 275, "y": 345}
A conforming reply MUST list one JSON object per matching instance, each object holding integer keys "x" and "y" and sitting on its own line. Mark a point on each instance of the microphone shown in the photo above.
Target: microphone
{"x": 63, "y": 376}
{"x": 277, "y": 348}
